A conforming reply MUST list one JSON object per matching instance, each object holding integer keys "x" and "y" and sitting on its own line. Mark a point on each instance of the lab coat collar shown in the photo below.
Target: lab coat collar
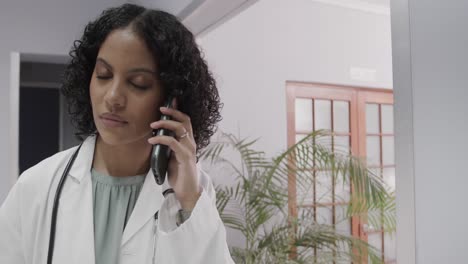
{"x": 83, "y": 162}
{"x": 149, "y": 200}
{"x": 148, "y": 203}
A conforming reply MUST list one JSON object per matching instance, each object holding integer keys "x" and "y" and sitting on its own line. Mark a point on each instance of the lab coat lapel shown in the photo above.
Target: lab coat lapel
{"x": 75, "y": 222}
{"x": 77, "y": 203}
{"x": 148, "y": 203}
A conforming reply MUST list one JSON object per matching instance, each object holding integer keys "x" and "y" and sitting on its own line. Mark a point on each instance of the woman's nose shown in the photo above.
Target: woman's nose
{"x": 115, "y": 96}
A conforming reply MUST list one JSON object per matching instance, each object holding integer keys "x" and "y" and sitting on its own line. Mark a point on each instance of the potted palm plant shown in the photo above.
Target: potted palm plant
{"x": 257, "y": 203}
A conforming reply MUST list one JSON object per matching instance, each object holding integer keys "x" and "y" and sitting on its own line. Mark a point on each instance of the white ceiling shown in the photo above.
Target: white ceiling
{"x": 200, "y": 16}
{"x": 171, "y": 6}
{"x": 385, "y": 3}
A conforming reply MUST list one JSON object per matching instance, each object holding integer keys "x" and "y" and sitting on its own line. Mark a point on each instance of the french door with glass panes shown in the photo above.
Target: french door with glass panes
{"x": 359, "y": 121}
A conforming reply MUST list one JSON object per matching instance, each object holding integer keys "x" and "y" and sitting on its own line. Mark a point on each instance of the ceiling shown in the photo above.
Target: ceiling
{"x": 385, "y": 3}
{"x": 200, "y": 16}
{"x": 171, "y": 6}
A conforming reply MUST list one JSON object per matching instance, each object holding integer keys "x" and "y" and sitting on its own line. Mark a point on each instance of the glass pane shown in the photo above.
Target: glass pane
{"x": 324, "y": 215}
{"x": 341, "y": 116}
{"x": 387, "y": 119}
{"x": 390, "y": 247}
{"x": 325, "y": 142}
{"x": 343, "y": 226}
{"x": 376, "y": 171}
{"x": 306, "y": 213}
{"x": 345, "y": 247}
{"x": 299, "y": 137}
{"x": 389, "y": 177}
{"x": 373, "y": 150}
{"x": 372, "y": 118}
{"x": 322, "y": 114}
{"x": 375, "y": 239}
{"x": 324, "y": 187}
{"x": 342, "y": 144}
{"x": 343, "y": 223}
{"x": 307, "y": 253}
{"x": 304, "y": 158}
{"x": 342, "y": 189}
{"x": 388, "y": 153}
{"x": 375, "y": 220}
{"x": 304, "y": 115}
{"x": 304, "y": 190}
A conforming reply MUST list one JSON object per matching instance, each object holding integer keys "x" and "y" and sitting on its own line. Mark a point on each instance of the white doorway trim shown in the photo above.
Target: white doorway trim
{"x": 15, "y": 83}
{"x": 404, "y": 133}
{"x": 14, "y": 116}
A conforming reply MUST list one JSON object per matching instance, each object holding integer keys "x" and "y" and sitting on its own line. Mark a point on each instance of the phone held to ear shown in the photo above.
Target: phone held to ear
{"x": 160, "y": 154}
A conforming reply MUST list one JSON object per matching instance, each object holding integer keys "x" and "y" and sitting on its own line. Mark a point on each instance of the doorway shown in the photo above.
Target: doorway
{"x": 44, "y": 126}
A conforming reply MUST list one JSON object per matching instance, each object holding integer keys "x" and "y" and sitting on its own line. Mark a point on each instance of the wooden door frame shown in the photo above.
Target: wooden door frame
{"x": 358, "y": 97}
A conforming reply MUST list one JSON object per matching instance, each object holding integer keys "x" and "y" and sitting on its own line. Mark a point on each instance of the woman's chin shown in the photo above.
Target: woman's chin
{"x": 115, "y": 139}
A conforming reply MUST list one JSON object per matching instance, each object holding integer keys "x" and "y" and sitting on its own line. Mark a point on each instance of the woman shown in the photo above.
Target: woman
{"x": 127, "y": 63}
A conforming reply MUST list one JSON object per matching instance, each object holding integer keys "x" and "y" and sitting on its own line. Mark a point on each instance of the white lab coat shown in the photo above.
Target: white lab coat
{"x": 25, "y": 219}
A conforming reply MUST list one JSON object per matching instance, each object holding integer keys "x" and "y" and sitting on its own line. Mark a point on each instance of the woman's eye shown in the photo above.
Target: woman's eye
{"x": 140, "y": 86}
{"x": 103, "y": 77}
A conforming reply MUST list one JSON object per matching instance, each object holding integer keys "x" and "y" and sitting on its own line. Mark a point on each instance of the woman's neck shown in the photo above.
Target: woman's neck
{"x": 122, "y": 160}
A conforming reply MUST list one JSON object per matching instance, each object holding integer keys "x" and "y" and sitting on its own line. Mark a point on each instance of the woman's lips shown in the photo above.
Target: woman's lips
{"x": 112, "y": 123}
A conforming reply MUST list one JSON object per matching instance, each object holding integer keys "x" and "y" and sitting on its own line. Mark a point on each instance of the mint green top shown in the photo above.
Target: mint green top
{"x": 113, "y": 201}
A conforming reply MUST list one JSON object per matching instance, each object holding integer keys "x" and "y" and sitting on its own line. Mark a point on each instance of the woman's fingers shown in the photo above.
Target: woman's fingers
{"x": 178, "y": 116}
{"x": 181, "y": 153}
{"x": 180, "y": 125}
{"x": 178, "y": 128}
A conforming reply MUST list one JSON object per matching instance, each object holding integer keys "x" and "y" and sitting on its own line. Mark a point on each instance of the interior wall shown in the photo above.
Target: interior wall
{"x": 430, "y": 89}
{"x": 256, "y": 52}
{"x": 273, "y": 41}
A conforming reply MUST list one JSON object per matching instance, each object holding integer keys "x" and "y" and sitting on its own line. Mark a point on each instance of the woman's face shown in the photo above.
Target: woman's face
{"x": 125, "y": 93}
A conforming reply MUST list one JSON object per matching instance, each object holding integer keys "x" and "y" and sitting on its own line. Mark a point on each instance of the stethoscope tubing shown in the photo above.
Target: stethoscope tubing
{"x": 56, "y": 204}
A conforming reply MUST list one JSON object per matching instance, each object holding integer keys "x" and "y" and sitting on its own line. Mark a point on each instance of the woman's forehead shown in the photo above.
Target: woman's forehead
{"x": 123, "y": 48}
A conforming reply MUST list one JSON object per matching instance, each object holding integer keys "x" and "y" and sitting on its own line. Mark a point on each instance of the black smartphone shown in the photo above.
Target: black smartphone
{"x": 160, "y": 154}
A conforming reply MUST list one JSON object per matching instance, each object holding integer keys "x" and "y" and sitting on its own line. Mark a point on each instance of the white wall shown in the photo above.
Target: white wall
{"x": 256, "y": 52}
{"x": 431, "y": 62}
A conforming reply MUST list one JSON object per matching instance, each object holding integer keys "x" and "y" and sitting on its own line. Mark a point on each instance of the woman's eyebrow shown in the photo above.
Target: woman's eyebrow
{"x": 143, "y": 70}
{"x": 132, "y": 70}
{"x": 105, "y": 62}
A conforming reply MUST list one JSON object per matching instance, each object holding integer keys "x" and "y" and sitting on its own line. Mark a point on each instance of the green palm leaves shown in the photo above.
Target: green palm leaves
{"x": 257, "y": 204}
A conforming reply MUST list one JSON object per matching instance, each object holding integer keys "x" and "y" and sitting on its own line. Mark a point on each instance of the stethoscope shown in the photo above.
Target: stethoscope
{"x": 56, "y": 204}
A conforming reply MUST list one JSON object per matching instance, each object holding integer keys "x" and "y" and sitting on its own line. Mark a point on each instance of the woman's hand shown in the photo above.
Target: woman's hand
{"x": 182, "y": 169}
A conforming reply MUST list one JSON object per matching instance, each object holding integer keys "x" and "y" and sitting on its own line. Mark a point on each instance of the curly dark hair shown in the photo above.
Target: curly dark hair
{"x": 181, "y": 68}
